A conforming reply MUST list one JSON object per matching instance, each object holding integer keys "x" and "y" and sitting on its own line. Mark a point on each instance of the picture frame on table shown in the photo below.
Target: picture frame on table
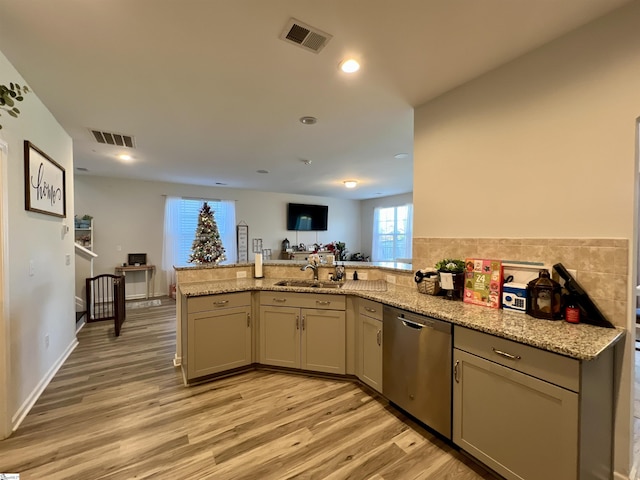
{"x": 44, "y": 183}
{"x": 242, "y": 230}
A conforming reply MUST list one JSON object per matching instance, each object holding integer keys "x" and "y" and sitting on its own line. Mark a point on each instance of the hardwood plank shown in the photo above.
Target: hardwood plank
{"x": 117, "y": 409}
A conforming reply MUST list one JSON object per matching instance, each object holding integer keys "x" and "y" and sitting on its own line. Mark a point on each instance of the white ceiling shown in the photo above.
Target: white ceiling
{"x": 211, "y": 94}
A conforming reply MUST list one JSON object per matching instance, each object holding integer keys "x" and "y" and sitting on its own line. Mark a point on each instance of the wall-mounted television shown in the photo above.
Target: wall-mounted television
{"x": 307, "y": 217}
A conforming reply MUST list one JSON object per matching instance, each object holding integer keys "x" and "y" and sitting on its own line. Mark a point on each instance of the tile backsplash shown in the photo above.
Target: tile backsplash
{"x": 601, "y": 264}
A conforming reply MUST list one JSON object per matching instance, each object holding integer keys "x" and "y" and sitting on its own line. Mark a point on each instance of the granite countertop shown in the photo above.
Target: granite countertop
{"x": 402, "y": 267}
{"x": 579, "y": 341}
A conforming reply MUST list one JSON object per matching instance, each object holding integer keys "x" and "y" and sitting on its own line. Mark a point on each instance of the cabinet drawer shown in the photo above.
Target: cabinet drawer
{"x": 547, "y": 366}
{"x": 215, "y": 302}
{"x": 304, "y": 300}
{"x": 370, "y": 308}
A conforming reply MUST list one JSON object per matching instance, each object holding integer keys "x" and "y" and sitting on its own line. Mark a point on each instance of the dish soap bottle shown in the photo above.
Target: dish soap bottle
{"x": 355, "y": 275}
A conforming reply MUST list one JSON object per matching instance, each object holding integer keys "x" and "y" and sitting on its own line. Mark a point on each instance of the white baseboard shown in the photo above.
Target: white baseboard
{"x": 141, "y": 296}
{"x": 620, "y": 476}
{"x": 31, "y": 400}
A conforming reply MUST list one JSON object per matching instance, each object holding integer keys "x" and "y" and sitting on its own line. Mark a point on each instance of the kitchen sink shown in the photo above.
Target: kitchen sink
{"x": 307, "y": 284}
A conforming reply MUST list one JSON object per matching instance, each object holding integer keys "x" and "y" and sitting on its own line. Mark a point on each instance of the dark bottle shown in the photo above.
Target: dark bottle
{"x": 572, "y": 312}
{"x": 355, "y": 275}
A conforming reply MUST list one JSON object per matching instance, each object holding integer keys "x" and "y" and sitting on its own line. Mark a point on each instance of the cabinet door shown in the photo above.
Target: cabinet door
{"x": 522, "y": 427}
{"x": 280, "y": 336}
{"x": 323, "y": 341}
{"x": 371, "y": 352}
{"x": 218, "y": 340}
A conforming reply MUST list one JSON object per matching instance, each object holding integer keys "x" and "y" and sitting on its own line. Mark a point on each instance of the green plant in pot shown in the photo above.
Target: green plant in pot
{"x": 451, "y": 277}
{"x": 85, "y": 221}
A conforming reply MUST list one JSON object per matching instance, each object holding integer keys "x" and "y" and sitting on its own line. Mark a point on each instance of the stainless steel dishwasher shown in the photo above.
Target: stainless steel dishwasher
{"x": 416, "y": 367}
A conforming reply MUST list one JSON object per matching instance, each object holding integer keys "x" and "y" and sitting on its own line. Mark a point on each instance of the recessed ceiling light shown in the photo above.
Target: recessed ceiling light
{"x": 125, "y": 157}
{"x": 350, "y": 65}
{"x": 400, "y": 156}
{"x": 350, "y": 183}
{"x": 262, "y": 171}
{"x": 82, "y": 169}
{"x": 220, "y": 183}
{"x": 308, "y": 120}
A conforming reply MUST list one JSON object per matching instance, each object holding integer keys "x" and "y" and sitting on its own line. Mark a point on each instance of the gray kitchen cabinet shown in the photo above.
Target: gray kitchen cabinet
{"x": 531, "y": 414}
{"x": 295, "y": 335}
{"x": 218, "y": 334}
{"x": 369, "y": 338}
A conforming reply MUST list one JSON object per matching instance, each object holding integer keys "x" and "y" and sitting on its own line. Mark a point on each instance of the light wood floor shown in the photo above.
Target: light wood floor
{"x": 118, "y": 409}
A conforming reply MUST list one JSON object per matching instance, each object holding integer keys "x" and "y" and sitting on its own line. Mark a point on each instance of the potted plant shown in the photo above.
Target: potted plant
{"x": 339, "y": 249}
{"x": 85, "y": 221}
{"x": 451, "y": 277}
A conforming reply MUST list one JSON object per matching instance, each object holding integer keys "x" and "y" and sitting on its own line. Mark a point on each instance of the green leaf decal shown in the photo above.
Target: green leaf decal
{"x": 10, "y": 95}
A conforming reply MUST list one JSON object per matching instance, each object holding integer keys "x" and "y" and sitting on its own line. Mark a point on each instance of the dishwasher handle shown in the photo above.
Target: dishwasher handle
{"x": 410, "y": 324}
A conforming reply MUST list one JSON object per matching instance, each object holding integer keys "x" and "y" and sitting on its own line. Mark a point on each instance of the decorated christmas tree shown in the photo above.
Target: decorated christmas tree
{"x": 207, "y": 246}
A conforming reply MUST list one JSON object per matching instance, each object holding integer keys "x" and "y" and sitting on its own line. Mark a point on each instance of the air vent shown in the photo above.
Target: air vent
{"x": 117, "y": 139}
{"x": 305, "y": 36}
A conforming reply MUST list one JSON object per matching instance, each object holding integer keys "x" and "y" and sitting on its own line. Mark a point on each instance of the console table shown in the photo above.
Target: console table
{"x": 149, "y": 274}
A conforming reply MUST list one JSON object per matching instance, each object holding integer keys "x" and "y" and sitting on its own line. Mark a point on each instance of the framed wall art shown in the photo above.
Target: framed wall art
{"x": 44, "y": 183}
{"x": 242, "y": 230}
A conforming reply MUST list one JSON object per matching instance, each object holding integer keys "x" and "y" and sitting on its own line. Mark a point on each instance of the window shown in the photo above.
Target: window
{"x": 180, "y": 222}
{"x": 392, "y": 233}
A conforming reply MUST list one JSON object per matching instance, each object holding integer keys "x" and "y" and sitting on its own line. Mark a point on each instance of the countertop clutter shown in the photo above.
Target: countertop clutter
{"x": 579, "y": 341}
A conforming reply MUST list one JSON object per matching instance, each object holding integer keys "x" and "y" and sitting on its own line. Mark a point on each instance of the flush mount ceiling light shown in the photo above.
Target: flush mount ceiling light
{"x": 349, "y": 65}
{"x": 308, "y": 120}
{"x": 350, "y": 183}
{"x": 124, "y": 157}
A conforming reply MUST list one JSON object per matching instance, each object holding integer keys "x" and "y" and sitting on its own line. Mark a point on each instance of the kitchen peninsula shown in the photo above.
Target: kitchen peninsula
{"x": 516, "y": 368}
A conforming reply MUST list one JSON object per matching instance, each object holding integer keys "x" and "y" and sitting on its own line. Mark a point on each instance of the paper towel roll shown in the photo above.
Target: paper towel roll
{"x": 258, "y": 266}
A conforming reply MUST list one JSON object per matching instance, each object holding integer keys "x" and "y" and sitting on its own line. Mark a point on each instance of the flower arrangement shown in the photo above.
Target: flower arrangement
{"x": 339, "y": 249}
{"x": 450, "y": 265}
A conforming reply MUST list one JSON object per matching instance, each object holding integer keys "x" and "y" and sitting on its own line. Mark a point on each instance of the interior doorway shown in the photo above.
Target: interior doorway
{"x": 635, "y": 408}
{"x": 5, "y": 343}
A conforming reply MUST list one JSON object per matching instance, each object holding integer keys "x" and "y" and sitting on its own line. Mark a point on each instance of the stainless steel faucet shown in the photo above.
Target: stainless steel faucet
{"x": 315, "y": 270}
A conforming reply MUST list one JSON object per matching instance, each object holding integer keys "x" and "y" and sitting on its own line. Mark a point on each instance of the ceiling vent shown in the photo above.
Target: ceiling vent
{"x": 305, "y": 36}
{"x": 117, "y": 139}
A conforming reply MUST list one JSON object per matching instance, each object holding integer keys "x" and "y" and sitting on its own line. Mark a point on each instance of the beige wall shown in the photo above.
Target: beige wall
{"x": 41, "y": 304}
{"x": 542, "y": 148}
{"x": 130, "y": 213}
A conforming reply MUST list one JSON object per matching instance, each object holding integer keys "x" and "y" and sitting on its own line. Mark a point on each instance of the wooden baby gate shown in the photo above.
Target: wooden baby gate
{"x": 105, "y": 299}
